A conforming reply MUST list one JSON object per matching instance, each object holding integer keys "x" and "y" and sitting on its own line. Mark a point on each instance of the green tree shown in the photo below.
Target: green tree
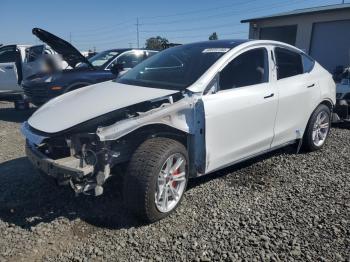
{"x": 213, "y": 36}
{"x": 157, "y": 43}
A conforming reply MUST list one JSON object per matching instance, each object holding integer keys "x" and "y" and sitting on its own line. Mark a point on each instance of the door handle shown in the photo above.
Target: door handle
{"x": 265, "y": 97}
{"x": 309, "y": 86}
{"x": 8, "y": 67}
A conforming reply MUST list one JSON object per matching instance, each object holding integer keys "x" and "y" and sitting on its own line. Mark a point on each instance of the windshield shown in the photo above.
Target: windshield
{"x": 174, "y": 68}
{"x": 102, "y": 58}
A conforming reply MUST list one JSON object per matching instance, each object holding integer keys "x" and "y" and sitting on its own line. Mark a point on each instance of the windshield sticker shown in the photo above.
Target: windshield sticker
{"x": 215, "y": 50}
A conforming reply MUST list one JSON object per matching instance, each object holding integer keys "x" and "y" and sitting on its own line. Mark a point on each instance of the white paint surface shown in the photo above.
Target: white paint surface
{"x": 89, "y": 102}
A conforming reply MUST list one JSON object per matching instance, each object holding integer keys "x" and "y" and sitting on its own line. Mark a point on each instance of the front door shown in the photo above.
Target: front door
{"x": 240, "y": 116}
{"x": 8, "y": 69}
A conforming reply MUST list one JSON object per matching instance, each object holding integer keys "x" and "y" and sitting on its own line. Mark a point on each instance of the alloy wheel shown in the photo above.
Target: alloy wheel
{"x": 320, "y": 129}
{"x": 171, "y": 183}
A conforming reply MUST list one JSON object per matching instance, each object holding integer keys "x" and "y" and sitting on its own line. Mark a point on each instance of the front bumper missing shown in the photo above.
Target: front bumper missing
{"x": 63, "y": 169}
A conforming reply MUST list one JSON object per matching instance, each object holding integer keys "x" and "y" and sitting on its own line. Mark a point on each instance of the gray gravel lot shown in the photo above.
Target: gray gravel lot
{"x": 280, "y": 207}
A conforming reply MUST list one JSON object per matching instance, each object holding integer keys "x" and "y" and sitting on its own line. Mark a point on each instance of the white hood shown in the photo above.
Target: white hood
{"x": 89, "y": 102}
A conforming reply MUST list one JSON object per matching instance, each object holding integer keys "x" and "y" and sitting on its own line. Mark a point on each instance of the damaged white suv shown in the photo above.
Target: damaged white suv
{"x": 183, "y": 113}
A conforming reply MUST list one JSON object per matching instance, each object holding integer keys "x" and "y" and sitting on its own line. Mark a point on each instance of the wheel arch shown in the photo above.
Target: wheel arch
{"x": 135, "y": 138}
{"x": 161, "y": 130}
{"x": 328, "y": 103}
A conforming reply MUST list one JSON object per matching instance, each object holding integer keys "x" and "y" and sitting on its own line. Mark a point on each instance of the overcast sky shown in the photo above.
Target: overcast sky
{"x": 110, "y": 24}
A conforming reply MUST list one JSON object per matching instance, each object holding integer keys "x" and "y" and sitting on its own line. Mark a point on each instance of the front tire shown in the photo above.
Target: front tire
{"x": 318, "y": 128}
{"x": 156, "y": 179}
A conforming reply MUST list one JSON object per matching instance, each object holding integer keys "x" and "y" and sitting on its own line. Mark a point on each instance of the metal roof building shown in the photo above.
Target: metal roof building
{"x": 323, "y": 32}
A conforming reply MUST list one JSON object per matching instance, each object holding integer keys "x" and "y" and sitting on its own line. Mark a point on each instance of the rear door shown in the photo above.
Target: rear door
{"x": 8, "y": 70}
{"x": 298, "y": 94}
{"x": 239, "y": 118}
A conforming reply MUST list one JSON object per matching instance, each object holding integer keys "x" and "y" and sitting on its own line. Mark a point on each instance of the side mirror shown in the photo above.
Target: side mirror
{"x": 116, "y": 68}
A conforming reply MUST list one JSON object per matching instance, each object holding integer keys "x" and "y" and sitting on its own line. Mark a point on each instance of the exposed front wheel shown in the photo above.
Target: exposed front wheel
{"x": 156, "y": 178}
{"x": 318, "y": 128}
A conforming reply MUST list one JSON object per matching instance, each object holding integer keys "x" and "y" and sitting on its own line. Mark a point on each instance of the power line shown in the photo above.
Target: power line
{"x": 112, "y": 31}
{"x": 245, "y": 11}
{"x": 107, "y": 36}
{"x": 192, "y": 29}
{"x": 196, "y": 11}
{"x": 104, "y": 28}
{"x": 202, "y": 35}
{"x": 221, "y": 15}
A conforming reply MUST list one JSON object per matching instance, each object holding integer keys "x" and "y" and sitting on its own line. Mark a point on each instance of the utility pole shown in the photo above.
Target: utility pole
{"x": 70, "y": 37}
{"x": 137, "y": 31}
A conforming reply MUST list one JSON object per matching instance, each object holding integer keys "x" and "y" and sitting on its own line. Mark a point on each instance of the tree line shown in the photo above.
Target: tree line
{"x": 160, "y": 43}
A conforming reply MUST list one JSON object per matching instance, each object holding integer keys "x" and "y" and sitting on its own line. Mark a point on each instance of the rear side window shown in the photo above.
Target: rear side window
{"x": 130, "y": 59}
{"x": 308, "y": 63}
{"x": 289, "y": 63}
{"x": 8, "y": 54}
{"x": 249, "y": 68}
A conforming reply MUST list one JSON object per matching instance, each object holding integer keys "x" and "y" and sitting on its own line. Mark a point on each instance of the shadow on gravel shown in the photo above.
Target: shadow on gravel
{"x": 27, "y": 199}
{"x": 18, "y": 116}
{"x": 345, "y": 125}
{"x": 254, "y": 180}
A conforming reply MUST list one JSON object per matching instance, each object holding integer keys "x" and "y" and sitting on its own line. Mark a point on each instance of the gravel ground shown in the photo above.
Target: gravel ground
{"x": 281, "y": 207}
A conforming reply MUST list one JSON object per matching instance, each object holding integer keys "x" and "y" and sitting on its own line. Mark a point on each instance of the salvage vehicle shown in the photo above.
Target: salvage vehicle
{"x": 185, "y": 112}
{"x": 43, "y": 86}
{"x": 342, "y": 107}
{"x": 12, "y": 61}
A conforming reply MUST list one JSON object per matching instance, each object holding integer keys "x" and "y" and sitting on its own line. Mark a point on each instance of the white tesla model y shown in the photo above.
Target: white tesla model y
{"x": 185, "y": 112}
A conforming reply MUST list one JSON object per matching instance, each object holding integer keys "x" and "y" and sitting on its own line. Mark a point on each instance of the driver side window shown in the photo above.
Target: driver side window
{"x": 8, "y": 54}
{"x": 249, "y": 68}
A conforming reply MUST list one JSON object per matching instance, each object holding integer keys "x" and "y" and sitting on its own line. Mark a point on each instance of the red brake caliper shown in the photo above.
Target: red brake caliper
{"x": 175, "y": 173}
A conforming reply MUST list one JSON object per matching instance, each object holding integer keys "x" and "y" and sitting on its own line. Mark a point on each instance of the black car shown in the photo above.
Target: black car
{"x": 41, "y": 87}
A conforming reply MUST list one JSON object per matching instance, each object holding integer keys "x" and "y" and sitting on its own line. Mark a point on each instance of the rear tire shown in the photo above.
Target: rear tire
{"x": 318, "y": 128}
{"x": 156, "y": 178}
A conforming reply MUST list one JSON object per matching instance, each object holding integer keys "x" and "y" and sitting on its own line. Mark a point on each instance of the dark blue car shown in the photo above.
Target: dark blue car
{"x": 43, "y": 86}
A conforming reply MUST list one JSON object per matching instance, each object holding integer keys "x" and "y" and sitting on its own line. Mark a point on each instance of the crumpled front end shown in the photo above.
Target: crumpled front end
{"x": 85, "y": 157}
{"x": 79, "y": 160}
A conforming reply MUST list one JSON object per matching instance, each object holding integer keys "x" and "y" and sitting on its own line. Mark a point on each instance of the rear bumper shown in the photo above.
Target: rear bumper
{"x": 62, "y": 169}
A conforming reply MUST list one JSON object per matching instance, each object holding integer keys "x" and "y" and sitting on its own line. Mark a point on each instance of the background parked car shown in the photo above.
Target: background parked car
{"x": 342, "y": 108}
{"x": 41, "y": 87}
{"x": 12, "y": 61}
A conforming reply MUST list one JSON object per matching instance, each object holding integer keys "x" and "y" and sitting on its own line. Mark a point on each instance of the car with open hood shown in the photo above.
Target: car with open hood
{"x": 82, "y": 71}
{"x": 17, "y": 62}
{"x": 183, "y": 113}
